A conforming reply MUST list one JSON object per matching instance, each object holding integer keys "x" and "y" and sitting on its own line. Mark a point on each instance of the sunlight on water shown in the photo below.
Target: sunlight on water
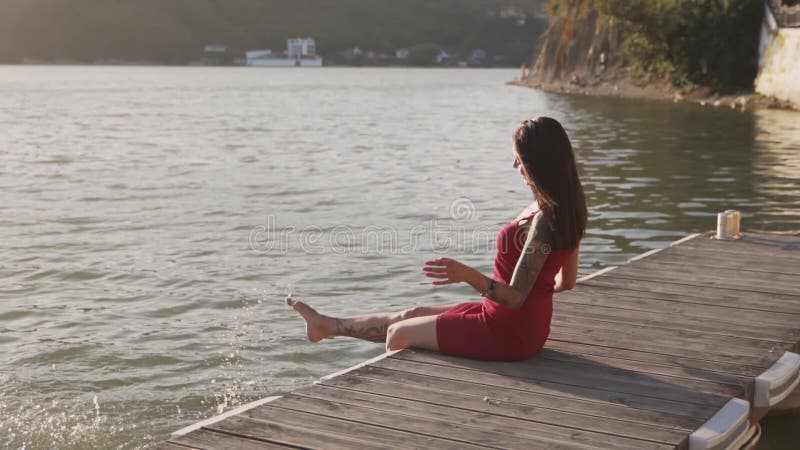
{"x": 154, "y": 219}
{"x": 74, "y": 423}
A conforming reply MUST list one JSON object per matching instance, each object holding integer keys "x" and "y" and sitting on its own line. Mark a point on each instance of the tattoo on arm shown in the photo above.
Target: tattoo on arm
{"x": 533, "y": 256}
{"x": 490, "y": 290}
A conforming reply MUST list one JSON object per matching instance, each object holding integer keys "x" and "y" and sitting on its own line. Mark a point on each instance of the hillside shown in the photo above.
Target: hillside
{"x": 175, "y": 31}
{"x": 661, "y": 45}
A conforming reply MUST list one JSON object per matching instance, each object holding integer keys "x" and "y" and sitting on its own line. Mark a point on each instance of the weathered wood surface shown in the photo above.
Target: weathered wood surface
{"x": 639, "y": 357}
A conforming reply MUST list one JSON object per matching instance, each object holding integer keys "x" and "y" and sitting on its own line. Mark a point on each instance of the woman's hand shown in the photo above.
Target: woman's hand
{"x": 449, "y": 271}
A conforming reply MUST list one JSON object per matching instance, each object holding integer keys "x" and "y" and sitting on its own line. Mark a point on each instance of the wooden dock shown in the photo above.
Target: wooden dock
{"x": 660, "y": 353}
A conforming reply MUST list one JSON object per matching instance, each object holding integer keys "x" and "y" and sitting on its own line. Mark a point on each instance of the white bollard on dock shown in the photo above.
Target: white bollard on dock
{"x": 728, "y": 223}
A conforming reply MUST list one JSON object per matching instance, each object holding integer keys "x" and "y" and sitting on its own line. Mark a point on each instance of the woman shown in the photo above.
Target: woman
{"x": 537, "y": 255}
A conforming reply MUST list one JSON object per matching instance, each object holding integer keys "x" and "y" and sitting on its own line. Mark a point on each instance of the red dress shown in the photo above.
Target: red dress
{"x": 491, "y": 331}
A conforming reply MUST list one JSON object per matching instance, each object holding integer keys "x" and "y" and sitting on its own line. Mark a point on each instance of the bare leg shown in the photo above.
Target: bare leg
{"x": 418, "y": 332}
{"x": 370, "y": 327}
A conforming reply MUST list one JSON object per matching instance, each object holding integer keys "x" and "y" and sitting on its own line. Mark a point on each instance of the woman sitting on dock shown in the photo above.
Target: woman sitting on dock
{"x": 537, "y": 255}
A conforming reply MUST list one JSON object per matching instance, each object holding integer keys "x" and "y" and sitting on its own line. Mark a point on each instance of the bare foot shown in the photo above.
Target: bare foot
{"x": 315, "y": 322}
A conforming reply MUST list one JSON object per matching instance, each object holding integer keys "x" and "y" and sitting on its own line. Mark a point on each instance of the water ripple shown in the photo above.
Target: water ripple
{"x": 134, "y": 302}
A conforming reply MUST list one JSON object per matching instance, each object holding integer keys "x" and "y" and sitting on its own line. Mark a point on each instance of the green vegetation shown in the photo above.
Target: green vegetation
{"x": 175, "y": 31}
{"x": 711, "y": 43}
{"x": 694, "y": 42}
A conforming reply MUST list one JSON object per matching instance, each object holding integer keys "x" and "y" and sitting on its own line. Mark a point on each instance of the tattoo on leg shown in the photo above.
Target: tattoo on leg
{"x": 377, "y": 333}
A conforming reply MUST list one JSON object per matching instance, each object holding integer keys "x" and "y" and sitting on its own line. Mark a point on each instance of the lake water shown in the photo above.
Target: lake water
{"x": 153, "y": 219}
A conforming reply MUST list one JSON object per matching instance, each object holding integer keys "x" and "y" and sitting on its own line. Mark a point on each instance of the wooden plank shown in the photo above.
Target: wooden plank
{"x": 232, "y": 412}
{"x": 611, "y": 341}
{"x": 672, "y": 339}
{"x": 661, "y": 320}
{"x": 212, "y": 440}
{"x": 385, "y": 382}
{"x": 293, "y": 434}
{"x": 376, "y": 434}
{"x": 607, "y": 338}
{"x": 171, "y": 446}
{"x": 672, "y": 306}
{"x": 439, "y": 424}
{"x": 781, "y": 294}
{"x": 591, "y": 374}
{"x": 589, "y": 351}
{"x": 390, "y": 394}
{"x": 413, "y": 371}
{"x": 695, "y": 265}
{"x": 684, "y": 372}
{"x": 746, "y": 262}
{"x": 522, "y": 427}
{"x": 703, "y": 245}
{"x": 789, "y": 238}
{"x": 756, "y": 260}
{"x": 695, "y": 340}
{"x": 624, "y": 382}
{"x": 761, "y": 238}
{"x": 758, "y": 301}
{"x": 722, "y": 278}
{"x": 774, "y": 252}
{"x": 668, "y": 342}
{"x": 736, "y": 251}
{"x": 771, "y": 246}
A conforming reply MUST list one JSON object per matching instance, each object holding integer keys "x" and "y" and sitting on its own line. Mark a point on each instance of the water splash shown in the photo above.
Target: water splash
{"x": 242, "y": 337}
{"x": 237, "y": 382}
{"x": 63, "y": 425}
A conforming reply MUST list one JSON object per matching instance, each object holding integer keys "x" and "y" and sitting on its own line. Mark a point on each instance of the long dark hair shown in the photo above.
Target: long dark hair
{"x": 549, "y": 164}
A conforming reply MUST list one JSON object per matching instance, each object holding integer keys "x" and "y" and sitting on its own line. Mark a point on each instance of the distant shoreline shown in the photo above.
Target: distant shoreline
{"x": 625, "y": 87}
{"x": 115, "y": 63}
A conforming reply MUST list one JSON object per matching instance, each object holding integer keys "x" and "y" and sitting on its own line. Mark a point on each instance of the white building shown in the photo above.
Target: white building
{"x": 299, "y": 53}
{"x": 258, "y": 54}
{"x": 215, "y": 48}
{"x": 301, "y": 48}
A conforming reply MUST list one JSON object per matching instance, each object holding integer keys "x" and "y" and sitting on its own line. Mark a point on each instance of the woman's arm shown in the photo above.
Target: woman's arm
{"x": 566, "y": 277}
{"x": 530, "y": 263}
